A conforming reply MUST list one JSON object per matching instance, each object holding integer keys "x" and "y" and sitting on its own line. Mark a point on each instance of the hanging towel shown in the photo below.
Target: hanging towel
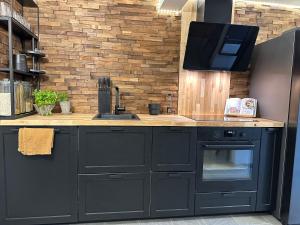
{"x": 36, "y": 141}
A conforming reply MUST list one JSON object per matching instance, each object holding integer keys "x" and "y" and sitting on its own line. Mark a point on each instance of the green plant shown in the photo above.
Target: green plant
{"x": 63, "y": 97}
{"x": 44, "y": 97}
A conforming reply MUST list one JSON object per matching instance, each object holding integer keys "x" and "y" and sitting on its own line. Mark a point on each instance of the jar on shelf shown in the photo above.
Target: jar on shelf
{"x": 17, "y": 97}
{"x": 28, "y": 99}
{"x": 5, "y": 98}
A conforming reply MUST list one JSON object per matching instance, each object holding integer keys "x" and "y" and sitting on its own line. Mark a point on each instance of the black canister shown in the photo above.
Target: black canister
{"x": 154, "y": 109}
{"x": 20, "y": 62}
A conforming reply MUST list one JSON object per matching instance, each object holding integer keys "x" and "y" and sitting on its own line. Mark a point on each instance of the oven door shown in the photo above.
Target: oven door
{"x": 227, "y": 166}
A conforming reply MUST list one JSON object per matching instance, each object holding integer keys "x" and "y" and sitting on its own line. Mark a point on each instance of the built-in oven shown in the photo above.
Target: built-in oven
{"x": 227, "y": 159}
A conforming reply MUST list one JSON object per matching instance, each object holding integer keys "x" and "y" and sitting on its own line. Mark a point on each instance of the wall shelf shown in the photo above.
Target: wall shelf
{"x": 19, "y": 72}
{"x": 28, "y": 3}
{"x": 17, "y": 28}
{"x": 35, "y": 53}
{"x": 13, "y": 117}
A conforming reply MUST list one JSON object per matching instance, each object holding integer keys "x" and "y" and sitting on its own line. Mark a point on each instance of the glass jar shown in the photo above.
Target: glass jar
{"x": 5, "y": 98}
{"x": 28, "y": 96}
{"x": 17, "y": 98}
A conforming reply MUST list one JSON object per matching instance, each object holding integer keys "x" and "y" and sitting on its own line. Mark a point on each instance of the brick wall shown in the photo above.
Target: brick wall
{"x": 272, "y": 21}
{"x": 128, "y": 41}
{"x": 123, "y": 39}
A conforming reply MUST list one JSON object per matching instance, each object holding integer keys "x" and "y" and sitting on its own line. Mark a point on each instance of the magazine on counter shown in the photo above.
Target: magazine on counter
{"x": 245, "y": 107}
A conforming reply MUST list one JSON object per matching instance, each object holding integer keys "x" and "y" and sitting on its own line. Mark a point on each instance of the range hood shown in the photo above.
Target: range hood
{"x": 215, "y": 44}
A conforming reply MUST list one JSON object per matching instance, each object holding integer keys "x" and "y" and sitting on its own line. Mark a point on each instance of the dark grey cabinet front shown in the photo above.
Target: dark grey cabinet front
{"x": 114, "y": 196}
{"x": 268, "y": 169}
{"x": 114, "y": 149}
{"x": 225, "y": 202}
{"x": 38, "y": 189}
{"x": 172, "y": 194}
{"x": 174, "y": 149}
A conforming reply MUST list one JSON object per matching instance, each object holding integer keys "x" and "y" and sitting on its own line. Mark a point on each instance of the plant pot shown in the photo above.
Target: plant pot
{"x": 65, "y": 107}
{"x": 45, "y": 110}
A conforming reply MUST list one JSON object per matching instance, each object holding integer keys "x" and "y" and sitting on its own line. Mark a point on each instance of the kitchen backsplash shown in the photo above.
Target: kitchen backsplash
{"x": 128, "y": 41}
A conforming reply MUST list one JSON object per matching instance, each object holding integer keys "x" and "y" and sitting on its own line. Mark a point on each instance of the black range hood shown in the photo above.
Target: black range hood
{"x": 217, "y": 46}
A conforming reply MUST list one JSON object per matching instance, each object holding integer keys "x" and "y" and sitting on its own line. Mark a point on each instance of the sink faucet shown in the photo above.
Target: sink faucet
{"x": 118, "y": 108}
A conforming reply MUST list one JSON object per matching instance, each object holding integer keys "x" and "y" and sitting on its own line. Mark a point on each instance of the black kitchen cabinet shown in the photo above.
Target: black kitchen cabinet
{"x": 114, "y": 149}
{"x": 38, "y": 189}
{"x": 174, "y": 149}
{"x": 225, "y": 202}
{"x": 172, "y": 194}
{"x": 114, "y": 196}
{"x": 268, "y": 169}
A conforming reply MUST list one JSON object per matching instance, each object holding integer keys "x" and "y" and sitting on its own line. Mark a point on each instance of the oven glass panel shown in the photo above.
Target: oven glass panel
{"x": 227, "y": 164}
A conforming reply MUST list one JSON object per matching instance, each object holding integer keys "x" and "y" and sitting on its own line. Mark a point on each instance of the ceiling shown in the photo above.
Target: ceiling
{"x": 281, "y": 2}
{"x": 172, "y": 5}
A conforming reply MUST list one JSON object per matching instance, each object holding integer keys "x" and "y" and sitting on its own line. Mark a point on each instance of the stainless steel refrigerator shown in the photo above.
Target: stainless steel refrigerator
{"x": 275, "y": 82}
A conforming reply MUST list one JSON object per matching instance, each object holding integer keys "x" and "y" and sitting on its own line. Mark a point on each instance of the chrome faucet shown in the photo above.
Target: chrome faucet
{"x": 118, "y": 108}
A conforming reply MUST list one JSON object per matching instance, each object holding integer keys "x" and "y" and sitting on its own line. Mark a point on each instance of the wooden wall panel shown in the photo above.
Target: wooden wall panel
{"x": 199, "y": 92}
{"x": 203, "y": 93}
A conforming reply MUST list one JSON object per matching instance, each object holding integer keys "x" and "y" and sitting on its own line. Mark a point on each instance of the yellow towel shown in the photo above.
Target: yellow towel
{"x": 36, "y": 141}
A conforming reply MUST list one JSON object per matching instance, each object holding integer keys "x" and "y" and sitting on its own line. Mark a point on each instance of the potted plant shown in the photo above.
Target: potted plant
{"x": 44, "y": 101}
{"x": 65, "y": 105}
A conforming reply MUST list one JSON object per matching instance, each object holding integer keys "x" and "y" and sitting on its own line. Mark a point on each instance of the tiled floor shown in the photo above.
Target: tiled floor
{"x": 257, "y": 219}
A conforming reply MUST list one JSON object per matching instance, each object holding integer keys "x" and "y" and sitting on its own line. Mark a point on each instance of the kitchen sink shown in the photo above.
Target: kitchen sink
{"x": 128, "y": 116}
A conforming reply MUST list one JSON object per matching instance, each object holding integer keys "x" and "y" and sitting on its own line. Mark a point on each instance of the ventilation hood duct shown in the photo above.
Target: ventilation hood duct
{"x": 214, "y": 11}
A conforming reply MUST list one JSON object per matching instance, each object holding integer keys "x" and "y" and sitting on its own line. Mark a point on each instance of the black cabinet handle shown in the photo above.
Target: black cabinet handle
{"x": 227, "y": 194}
{"x": 115, "y": 176}
{"x": 174, "y": 174}
{"x": 210, "y": 146}
{"x": 117, "y": 129}
{"x": 176, "y": 129}
{"x": 271, "y": 130}
{"x": 17, "y": 130}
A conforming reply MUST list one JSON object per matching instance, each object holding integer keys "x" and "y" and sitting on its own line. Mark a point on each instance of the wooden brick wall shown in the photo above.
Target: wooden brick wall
{"x": 272, "y": 20}
{"x": 124, "y": 39}
{"x": 128, "y": 41}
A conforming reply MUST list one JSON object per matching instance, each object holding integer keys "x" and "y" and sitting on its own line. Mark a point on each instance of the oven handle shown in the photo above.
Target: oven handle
{"x": 210, "y": 146}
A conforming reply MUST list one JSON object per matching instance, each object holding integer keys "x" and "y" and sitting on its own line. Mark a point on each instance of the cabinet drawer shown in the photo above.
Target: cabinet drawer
{"x": 225, "y": 202}
{"x": 114, "y": 196}
{"x": 174, "y": 149}
{"x": 114, "y": 149}
{"x": 172, "y": 194}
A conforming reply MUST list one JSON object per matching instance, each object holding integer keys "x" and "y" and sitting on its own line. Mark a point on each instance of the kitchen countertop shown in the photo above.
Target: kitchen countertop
{"x": 77, "y": 119}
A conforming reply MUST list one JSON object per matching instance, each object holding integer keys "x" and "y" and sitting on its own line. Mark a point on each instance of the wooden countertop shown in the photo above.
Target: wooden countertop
{"x": 77, "y": 119}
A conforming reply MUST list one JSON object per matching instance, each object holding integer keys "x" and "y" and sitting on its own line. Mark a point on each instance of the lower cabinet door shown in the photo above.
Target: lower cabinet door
{"x": 227, "y": 202}
{"x": 114, "y": 196}
{"x": 172, "y": 194}
{"x": 38, "y": 189}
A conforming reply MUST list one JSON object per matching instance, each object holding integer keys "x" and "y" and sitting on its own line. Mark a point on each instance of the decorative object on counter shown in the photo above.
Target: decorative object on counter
{"x": 170, "y": 109}
{"x": 65, "y": 104}
{"x": 241, "y": 107}
{"x": 104, "y": 95}
{"x": 20, "y": 62}
{"x": 44, "y": 101}
{"x": 154, "y": 109}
